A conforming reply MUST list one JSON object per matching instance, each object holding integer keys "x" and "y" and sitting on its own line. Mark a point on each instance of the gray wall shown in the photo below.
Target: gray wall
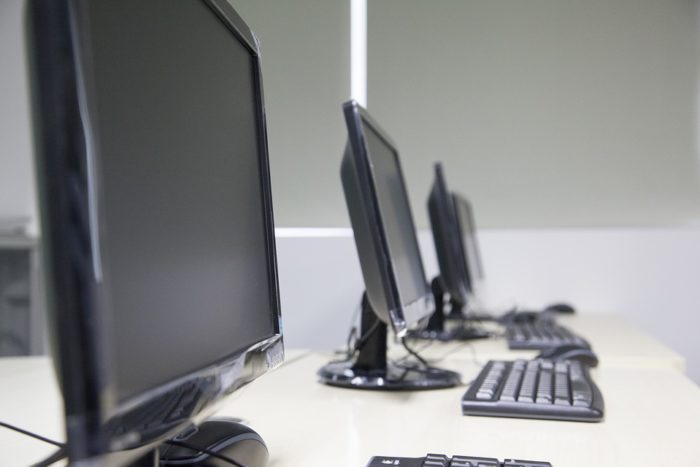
{"x": 306, "y": 69}
{"x": 16, "y": 174}
{"x": 545, "y": 112}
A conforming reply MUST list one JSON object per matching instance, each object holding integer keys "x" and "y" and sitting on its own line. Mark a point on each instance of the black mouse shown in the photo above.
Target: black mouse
{"x": 570, "y": 352}
{"x": 225, "y": 437}
{"x": 560, "y": 308}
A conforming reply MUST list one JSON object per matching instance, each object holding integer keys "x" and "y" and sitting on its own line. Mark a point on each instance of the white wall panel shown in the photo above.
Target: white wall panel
{"x": 649, "y": 276}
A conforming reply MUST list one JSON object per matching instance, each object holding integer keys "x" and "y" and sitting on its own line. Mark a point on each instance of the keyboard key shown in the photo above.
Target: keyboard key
{"x": 510, "y": 388}
{"x": 581, "y": 391}
{"x": 382, "y": 461}
{"x": 527, "y": 390}
{"x": 464, "y": 461}
{"x": 561, "y": 388}
{"x": 436, "y": 460}
{"x": 544, "y": 387}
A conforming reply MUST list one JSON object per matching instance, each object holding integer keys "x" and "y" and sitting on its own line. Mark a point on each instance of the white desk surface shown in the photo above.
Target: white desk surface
{"x": 29, "y": 399}
{"x": 307, "y": 424}
{"x": 617, "y": 343}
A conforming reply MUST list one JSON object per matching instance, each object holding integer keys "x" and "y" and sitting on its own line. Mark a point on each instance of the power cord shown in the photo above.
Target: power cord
{"x": 33, "y": 435}
{"x": 58, "y": 455}
{"x": 414, "y": 353}
{"x": 354, "y": 343}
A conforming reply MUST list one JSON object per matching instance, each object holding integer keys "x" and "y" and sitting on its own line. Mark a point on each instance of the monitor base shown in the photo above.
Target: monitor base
{"x": 369, "y": 368}
{"x": 394, "y": 377}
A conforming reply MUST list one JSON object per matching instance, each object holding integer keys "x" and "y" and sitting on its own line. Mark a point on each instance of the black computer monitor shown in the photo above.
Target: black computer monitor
{"x": 453, "y": 286}
{"x": 396, "y": 291}
{"x": 454, "y": 274}
{"x": 156, "y": 215}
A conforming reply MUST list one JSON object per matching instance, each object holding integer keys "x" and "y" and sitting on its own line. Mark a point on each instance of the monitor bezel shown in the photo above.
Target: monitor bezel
{"x": 387, "y": 303}
{"x": 451, "y": 255}
{"x": 59, "y": 58}
{"x": 474, "y": 265}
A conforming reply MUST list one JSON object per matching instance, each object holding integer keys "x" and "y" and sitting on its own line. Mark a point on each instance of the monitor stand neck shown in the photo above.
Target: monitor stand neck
{"x": 461, "y": 328}
{"x": 367, "y": 367}
{"x": 436, "y": 323}
{"x": 372, "y": 343}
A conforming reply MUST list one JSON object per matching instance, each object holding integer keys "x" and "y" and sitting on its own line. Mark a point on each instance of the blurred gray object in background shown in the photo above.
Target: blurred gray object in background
{"x": 22, "y": 325}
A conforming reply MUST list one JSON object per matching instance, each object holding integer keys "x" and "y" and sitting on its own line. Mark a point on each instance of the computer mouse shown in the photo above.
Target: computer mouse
{"x": 224, "y": 437}
{"x": 560, "y": 308}
{"x": 570, "y": 352}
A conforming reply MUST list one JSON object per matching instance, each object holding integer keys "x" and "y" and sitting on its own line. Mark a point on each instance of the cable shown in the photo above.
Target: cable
{"x": 352, "y": 349}
{"x": 33, "y": 435}
{"x": 426, "y": 344}
{"x": 363, "y": 339}
{"x": 413, "y": 352}
{"x": 475, "y": 359}
{"x": 61, "y": 453}
{"x": 205, "y": 451}
{"x": 58, "y": 455}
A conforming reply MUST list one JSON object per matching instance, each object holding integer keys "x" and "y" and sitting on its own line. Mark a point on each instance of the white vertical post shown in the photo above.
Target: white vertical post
{"x": 358, "y": 51}
{"x": 697, "y": 94}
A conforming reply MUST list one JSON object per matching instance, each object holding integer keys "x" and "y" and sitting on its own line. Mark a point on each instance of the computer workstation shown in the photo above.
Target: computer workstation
{"x": 556, "y": 329}
{"x": 383, "y": 228}
{"x": 453, "y": 288}
{"x": 155, "y": 325}
{"x": 524, "y": 330}
{"x": 556, "y": 384}
{"x": 396, "y": 291}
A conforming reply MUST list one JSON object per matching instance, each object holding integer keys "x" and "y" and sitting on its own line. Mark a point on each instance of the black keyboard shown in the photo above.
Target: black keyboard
{"x": 535, "y": 389}
{"x": 441, "y": 460}
{"x": 540, "y": 334}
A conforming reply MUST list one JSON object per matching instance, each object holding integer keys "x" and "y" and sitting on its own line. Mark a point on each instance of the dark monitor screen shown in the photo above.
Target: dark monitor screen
{"x": 396, "y": 216}
{"x": 157, "y": 210}
{"x": 180, "y": 181}
{"x": 382, "y": 222}
{"x": 465, "y": 216}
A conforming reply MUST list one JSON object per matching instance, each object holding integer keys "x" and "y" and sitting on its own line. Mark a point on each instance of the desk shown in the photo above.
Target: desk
{"x": 617, "y": 343}
{"x": 306, "y": 424}
{"x": 29, "y": 399}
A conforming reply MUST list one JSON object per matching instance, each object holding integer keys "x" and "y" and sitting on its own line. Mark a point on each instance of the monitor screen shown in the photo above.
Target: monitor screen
{"x": 157, "y": 211}
{"x": 382, "y": 223}
{"x": 465, "y": 216}
{"x": 184, "y": 245}
{"x": 396, "y": 216}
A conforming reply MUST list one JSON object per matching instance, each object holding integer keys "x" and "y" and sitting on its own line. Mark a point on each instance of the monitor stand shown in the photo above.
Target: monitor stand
{"x": 371, "y": 369}
{"x": 436, "y": 329}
